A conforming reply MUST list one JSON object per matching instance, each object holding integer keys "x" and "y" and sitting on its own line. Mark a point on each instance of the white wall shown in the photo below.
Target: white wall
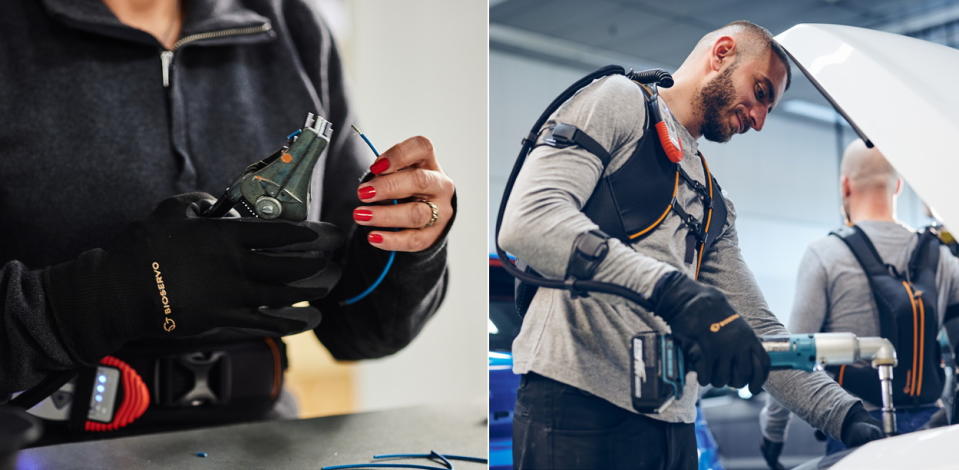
{"x": 418, "y": 67}
{"x": 783, "y": 180}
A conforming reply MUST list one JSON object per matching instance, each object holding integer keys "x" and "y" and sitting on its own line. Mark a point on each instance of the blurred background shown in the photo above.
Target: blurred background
{"x": 783, "y": 180}
{"x": 404, "y": 82}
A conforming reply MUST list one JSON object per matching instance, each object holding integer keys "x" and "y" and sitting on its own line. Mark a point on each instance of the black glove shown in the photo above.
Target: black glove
{"x": 717, "y": 342}
{"x": 771, "y": 452}
{"x": 859, "y": 427}
{"x": 177, "y": 274}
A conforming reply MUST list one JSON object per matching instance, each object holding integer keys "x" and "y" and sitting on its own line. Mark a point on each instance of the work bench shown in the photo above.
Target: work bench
{"x": 295, "y": 444}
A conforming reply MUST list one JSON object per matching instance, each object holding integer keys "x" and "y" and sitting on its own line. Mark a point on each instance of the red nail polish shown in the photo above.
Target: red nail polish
{"x": 380, "y": 166}
{"x": 375, "y": 238}
{"x": 362, "y": 215}
{"x": 367, "y": 192}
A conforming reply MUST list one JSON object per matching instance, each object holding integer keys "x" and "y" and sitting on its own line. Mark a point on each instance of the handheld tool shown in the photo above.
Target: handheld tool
{"x": 279, "y": 185}
{"x": 659, "y": 371}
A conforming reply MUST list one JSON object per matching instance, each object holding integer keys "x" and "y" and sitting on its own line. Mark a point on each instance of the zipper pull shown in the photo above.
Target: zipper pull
{"x": 166, "y": 60}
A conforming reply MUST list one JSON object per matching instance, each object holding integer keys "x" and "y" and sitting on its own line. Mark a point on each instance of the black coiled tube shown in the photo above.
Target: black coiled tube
{"x": 659, "y": 76}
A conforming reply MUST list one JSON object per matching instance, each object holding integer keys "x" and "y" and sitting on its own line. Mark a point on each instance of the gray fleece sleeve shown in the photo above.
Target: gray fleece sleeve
{"x": 543, "y": 217}
{"x": 30, "y": 347}
{"x": 808, "y": 314}
{"x": 814, "y": 396}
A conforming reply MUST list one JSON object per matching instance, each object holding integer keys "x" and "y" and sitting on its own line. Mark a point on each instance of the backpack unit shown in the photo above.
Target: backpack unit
{"x": 907, "y": 308}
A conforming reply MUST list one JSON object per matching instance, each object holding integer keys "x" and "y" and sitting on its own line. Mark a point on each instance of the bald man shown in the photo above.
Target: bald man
{"x": 573, "y": 408}
{"x": 832, "y": 290}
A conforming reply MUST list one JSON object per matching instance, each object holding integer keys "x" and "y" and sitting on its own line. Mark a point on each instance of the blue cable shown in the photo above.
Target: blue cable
{"x": 389, "y": 261}
{"x": 383, "y": 465}
{"x": 444, "y": 458}
{"x": 432, "y": 453}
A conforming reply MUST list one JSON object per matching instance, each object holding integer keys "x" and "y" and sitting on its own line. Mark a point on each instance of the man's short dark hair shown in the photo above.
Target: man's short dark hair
{"x": 766, "y": 41}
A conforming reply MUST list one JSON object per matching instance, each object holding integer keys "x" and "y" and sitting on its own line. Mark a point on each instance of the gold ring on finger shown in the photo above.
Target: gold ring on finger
{"x": 434, "y": 213}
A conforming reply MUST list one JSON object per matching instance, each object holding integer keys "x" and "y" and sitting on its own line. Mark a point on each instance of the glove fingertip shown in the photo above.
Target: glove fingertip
{"x": 702, "y": 373}
{"x": 295, "y": 319}
{"x": 759, "y": 376}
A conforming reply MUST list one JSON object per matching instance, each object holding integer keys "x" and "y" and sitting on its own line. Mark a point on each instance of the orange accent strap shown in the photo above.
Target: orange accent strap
{"x": 915, "y": 339}
{"x": 842, "y": 374}
{"x": 663, "y": 215}
{"x": 922, "y": 340}
{"x": 699, "y": 262}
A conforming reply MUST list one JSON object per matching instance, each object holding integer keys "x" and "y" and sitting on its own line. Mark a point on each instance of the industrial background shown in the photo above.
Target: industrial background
{"x": 783, "y": 180}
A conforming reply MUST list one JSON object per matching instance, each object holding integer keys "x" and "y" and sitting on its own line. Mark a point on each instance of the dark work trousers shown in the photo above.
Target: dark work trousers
{"x": 556, "y": 426}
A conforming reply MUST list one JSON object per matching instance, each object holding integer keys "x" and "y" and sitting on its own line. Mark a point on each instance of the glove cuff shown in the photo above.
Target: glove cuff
{"x": 666, "y": 293}
{"x": 94, "y": 306}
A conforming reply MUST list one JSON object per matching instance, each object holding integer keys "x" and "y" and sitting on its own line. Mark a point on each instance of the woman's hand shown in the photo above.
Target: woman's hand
{"x": 407, "y": 170}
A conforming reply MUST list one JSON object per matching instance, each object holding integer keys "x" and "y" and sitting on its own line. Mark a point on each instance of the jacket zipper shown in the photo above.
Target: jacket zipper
{"x": 166, "y": 56}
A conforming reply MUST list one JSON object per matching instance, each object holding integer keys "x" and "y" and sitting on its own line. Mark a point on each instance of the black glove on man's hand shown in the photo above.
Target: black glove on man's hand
{"x": 859, "y": 427}
{"x": 178, "y": 274}
{"x": 771, "y": 452}
{"x": 717, "y": 342}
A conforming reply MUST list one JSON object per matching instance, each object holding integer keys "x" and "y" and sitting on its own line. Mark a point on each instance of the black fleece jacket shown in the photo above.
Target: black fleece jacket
{"x": 96, "y": 131}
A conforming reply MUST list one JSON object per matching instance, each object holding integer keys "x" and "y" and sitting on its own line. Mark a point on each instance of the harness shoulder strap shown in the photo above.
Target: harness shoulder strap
{"x": 564, "y": 135}
{"x": 924, "y": 261}
{"x": 863, "y": 249}
{"x": 877, "y": 273}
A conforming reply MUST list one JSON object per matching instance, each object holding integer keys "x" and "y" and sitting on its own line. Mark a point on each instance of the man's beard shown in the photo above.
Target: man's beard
{"x": 713, "y": 101}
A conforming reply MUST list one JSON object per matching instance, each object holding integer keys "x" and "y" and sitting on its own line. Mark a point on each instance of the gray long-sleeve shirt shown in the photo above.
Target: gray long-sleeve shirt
{"x": 833, "y": 294}
{"x": 584, "y": 342}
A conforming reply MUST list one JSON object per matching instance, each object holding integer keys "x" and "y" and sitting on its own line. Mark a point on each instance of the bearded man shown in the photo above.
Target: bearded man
{"x": 574, "y": 406}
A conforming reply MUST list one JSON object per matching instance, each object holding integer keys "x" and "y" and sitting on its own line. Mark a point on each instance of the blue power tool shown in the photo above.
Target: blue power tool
{"x": 659, "y": 370}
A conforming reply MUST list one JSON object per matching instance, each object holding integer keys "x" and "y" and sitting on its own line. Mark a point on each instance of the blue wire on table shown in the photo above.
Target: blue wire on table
{"x": 389, "y": 261}
{"x": 445, "y": 458}
{"x": 383, "y": 465}
{"x": 431, "y": 454}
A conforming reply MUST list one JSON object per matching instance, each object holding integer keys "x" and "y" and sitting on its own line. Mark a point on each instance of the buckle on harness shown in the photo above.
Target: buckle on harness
{"x": 574, "y": 290}
{"x": 198, "y": 367}
{"x": 562, "y": 135}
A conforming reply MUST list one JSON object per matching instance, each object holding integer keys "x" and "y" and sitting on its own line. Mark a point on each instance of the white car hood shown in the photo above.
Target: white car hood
{"x": 896, "y": 91}
{"x": 934, "y": 449}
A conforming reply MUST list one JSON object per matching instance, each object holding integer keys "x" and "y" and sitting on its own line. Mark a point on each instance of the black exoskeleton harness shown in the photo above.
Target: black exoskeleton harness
{"x": 627, "y": 204}
{"x": 907, "y": 308}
